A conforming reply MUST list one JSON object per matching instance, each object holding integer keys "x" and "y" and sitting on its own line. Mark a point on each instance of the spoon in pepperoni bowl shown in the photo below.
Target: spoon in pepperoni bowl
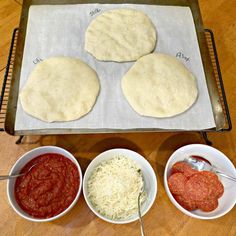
{"x": 201, "y": 164}
{"x": 2, "y": 177}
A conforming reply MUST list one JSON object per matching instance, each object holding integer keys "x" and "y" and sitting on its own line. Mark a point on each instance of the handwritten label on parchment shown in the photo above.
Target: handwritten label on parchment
{"x": 37, "y": 60}
{"x": 182, "y": 56}
{"x": 94, "y": 12}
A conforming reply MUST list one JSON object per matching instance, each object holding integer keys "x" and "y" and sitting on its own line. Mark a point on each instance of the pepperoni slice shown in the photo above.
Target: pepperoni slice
{"x": 210, "y": 175}
{"x": 176, "y": 183}
{"x": 196, "y": 187}
{"x": 216, "y": 188}
{"x": 208, "y": 205}
{"x": 183, "y": 167}
{"x": 219, "y": 189}
{"x": 185, "y": 202}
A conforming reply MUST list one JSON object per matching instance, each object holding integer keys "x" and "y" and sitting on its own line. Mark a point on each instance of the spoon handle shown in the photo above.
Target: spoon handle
{"x": 140, "y": 216}
{"x": 226, "y": 176}
{"x": 2, "y": 177}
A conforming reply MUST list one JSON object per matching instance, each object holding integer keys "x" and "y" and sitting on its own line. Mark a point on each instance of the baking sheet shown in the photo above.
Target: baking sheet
{"x": 56, "y": 30}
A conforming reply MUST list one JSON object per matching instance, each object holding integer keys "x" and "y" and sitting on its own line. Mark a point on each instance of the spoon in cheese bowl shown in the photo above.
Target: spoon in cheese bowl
{"x": 139, "y": 211}
{"x": 200, "y": 164}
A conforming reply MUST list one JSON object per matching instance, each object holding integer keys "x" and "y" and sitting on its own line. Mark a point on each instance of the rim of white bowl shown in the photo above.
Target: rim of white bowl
{"x": 128, "y": 220}
{"x": 31, "y": 218}
{"x": 175, "y": 203}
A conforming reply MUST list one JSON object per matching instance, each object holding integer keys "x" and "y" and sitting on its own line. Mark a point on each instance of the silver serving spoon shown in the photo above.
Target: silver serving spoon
{"x": 139, "y": 208}
{"x": 139, "y": 213}
{"x": 200, "y": 164}
{"x": 2, "y": 177}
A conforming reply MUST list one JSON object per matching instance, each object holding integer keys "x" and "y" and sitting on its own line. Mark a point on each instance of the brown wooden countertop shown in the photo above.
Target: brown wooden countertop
{"x": 163, "y": 218}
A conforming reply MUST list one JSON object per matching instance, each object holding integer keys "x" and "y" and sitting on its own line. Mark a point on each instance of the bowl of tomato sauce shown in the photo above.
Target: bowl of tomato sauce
{"x": 51, "y": 186}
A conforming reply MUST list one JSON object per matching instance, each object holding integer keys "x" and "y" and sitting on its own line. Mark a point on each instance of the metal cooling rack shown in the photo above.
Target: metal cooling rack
{"x": 218, "y": 78}
{"x": 7, "y": 80}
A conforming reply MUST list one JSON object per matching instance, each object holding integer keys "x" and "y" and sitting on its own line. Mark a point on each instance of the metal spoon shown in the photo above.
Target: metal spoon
{"x": 2, "y": 177}
{"x": 200, "y": 163}
{"x": 139, "y": 213}
{"x": 139, "y": 208}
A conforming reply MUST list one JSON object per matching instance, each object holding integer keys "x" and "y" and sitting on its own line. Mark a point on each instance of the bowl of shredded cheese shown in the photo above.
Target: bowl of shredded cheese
{"x": 113, "y": 182}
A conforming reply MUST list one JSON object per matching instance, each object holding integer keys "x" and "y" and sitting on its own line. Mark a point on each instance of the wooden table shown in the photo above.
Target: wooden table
{"x": 163, "y": 218}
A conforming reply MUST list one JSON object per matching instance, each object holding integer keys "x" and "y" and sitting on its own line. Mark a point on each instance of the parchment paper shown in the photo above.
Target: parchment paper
{"x": 59, "y": 30}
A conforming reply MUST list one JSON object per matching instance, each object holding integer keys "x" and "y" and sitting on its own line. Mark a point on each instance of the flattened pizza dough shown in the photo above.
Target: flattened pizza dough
{"x": 120, "y": 35}
{"x": 159, "y": 85}
{"x": 60, "y": 89}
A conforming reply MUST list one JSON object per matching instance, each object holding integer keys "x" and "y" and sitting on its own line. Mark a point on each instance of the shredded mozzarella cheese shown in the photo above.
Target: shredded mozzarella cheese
{"x": 114, "y": 187}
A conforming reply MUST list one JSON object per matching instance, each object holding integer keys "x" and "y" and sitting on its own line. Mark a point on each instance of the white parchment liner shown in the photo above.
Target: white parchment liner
{"x": 59, "y": 30}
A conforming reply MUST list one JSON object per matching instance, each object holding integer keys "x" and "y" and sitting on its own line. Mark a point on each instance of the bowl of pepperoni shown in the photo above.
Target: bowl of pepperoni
{"x": 50, "y": 186}
{"x": 200, "y": 194}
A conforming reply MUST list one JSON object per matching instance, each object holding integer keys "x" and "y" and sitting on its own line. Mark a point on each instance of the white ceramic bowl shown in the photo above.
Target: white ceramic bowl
{"x": 21, "y": 162}
{"x": 148, "y": 174}
{"x": 216, "y": 158}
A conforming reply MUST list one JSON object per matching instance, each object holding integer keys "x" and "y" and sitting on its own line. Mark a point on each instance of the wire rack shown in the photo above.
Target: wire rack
{"x": 7, "y": 80}
{"x": 218, "y": 78}
{"x": 214, "y": 59}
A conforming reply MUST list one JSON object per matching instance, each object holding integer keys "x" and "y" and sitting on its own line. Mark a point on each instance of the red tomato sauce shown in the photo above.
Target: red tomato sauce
{"x": 49, "y": 187}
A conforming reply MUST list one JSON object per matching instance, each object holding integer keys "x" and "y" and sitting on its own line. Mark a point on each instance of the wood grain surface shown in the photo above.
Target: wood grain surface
{"x": 163, "y": 218}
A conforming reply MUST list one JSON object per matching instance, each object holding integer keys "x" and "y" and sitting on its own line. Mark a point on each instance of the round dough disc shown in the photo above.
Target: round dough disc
{"x": 120, "y": 35}
{"x": 60, "y": 89}
{"x": 159, "y": 85}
